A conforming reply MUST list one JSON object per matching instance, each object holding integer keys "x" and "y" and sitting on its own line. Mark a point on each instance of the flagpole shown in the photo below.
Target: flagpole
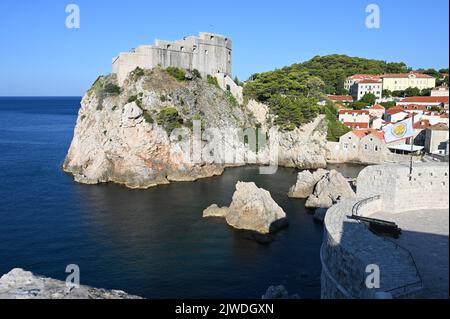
{"x": 412, "y": 150}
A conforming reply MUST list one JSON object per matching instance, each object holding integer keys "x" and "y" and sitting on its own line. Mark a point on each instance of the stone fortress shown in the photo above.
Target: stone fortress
{"x": 209, "y": 53}
{"x": 412, "y": 266}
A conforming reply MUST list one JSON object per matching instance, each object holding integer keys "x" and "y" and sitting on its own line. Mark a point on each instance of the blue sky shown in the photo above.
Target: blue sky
{"x": 40, "y": 56}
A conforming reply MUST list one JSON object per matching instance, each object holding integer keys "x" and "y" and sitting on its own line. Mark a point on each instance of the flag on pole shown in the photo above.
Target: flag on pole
{"x": 398, "y": 131}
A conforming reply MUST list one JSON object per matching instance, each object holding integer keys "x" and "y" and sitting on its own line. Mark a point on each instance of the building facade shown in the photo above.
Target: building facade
{"x": 355, "y": 119}
{"x": 440, "y": 91}
{"x": 402, "y": 81}
{"x": 208, "y": 53}
{"x": 359, "y": 89}
{"x": 436, "y": 139}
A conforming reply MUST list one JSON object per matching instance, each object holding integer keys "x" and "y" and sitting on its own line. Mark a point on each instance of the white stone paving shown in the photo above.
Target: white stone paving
{"x": 425, "y": 234}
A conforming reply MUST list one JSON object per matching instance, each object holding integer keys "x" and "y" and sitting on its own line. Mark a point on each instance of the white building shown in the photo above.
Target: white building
{"x": 440, "y": 91}
{"x": 396, "y": 114}
{"x": 377, "y": 110}
{"x": 355, "y": 119}
{"x": 436, "y": 139}
{"x": 367, "y": 86}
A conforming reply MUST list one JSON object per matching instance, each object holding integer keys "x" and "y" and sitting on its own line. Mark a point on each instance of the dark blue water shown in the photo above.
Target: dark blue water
{"x": 152, "y": 243}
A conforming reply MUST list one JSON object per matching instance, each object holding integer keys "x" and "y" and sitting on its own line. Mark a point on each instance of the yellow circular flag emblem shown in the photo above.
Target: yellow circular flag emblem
{"x": 399, "y": 130}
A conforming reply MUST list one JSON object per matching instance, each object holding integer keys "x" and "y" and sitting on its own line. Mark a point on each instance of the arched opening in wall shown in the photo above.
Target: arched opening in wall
{"x": 211, "y": 38}
{"x": 182, "y": 49}
{"x": 206, "y": 52}
{"x": 228, "y": 87}
{"x": 194, "y": 49}
{"x": 169, "y": 47}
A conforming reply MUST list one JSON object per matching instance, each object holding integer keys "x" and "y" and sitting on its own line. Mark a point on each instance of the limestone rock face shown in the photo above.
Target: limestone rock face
{"x": 21, "y": 284}
{"x": 259, "y": 111}
{"x": 329, "y": 190}
{"x": 306, "y": 181}
{"x": 215, "y": 211}
{"x": 305, "y": 147}
{"x": 130, "y": 135}
{"x": 130, "y": 143}
{"x": 252, "y": 208}
{"x": 132, "y": 111}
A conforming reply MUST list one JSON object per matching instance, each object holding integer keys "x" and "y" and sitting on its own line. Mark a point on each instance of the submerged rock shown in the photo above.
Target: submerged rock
{"x": 215, "y": 211}
{"x": 251, "y": 209}
{"x": 332, "y": 188}
{"x": 21, "y": 284}
{"x": 278, "y": 292}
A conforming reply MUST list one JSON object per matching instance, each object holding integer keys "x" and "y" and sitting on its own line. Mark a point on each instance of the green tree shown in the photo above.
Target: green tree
{"x": 369, "y": 99}
{"x": 412, "y": 91}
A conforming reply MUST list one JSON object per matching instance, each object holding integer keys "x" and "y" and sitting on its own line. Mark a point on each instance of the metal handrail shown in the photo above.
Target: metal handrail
{"x": 355, "y": 211}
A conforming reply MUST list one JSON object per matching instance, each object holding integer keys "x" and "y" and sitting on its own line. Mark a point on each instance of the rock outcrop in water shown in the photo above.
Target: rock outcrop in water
{"x": 124, "y": 134}
{"x": 252, "y": 208}
{"x": 21, "y": 284}
{"x": 306, "y": 181}
{"x": 322, "y": 189}
{"x": 331, "y": 188}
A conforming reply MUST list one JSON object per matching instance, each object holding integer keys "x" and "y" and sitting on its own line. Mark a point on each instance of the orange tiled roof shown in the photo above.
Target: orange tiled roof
{"x": 347, "y": 98}
{"x": 426, "y": 99}
{"x": 355, "y": 125}
{"x": 395, "y": 110}
{"x": 406, "y": 75}
{"x": 363, "y": 133}
{"x": 377, "y": 107}
{"x": 421, "y": 124}
{"x": 366, "y": 112}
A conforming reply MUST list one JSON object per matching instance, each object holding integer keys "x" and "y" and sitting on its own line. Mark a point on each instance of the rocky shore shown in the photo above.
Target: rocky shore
{"x": 21, "y": 284}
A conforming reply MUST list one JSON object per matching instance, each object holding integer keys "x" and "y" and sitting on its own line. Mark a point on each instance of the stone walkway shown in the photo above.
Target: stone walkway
{"x": 425, "y": 234}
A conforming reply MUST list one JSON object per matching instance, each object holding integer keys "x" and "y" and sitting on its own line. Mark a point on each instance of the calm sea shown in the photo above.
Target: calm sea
{"x": 152, "y": 243}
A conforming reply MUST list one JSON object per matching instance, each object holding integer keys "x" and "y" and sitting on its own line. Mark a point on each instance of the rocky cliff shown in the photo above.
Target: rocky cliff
{"x": 131, "y": 134}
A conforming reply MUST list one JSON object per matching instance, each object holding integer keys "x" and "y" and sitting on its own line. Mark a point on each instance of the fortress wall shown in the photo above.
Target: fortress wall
{"x": 209, "y": 54}
{"x": 227, "y": 84}
{"x": 349, "y": 247}
{"x": 427, "y": 189}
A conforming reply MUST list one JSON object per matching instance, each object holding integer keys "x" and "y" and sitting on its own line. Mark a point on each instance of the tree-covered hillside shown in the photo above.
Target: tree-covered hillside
{"x": 292, "y": 92}
{"x": 331, "y": 69}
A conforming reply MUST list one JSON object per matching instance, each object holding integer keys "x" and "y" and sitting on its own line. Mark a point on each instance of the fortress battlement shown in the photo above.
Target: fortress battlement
{"x": 209, "y": 53}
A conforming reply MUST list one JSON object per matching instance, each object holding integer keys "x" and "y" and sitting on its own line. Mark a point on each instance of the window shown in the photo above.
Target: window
{"x": 182, "y": 49}
{"x": 345, "y": 146}
{"x": 169, "y": 46}
{"x": 194, "y": 48}
{"x": 211, "y": 38}
{"x": 366, "y": 146}
{"x": 206, "y": 52}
